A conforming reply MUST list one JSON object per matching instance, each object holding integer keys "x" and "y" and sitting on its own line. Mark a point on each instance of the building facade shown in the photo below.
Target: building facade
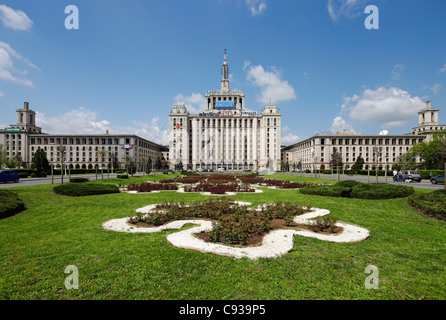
{"x": 226, "y": 134}
{"x": 23, "y": 139}
{"x": 378, "y": 151}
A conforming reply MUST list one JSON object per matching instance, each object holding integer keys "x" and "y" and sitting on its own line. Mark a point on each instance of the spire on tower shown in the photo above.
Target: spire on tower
{"x": 225, "y": 72}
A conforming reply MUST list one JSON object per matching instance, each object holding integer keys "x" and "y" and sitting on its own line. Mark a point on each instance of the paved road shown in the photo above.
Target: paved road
{"x": 40, "y": 181}
{"x": 426, "y": 184}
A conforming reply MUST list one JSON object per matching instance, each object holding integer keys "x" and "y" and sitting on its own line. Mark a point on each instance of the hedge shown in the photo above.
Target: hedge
{"x": 433, "y": 203}
{"x": 360, "y": 190}
{"x": 79, "y": 180}
{"x": 85, "y": 189}
{"x": 10, "y": 204}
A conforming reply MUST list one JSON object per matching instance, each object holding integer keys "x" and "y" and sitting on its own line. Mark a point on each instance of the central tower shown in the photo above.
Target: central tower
{"x": 225, "y": 99}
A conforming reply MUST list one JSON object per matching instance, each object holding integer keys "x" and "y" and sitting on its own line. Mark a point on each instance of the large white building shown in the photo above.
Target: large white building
{"x": 379, "y": 151}
{"x": 226, "y": 134}
{"x": 82, "y": 151}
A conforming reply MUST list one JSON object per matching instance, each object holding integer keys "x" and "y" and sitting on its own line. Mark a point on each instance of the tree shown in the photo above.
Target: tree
{"x": 359, "y": 164}
{"x": 13, "y": 162}
{"x": 102, "y": 154}
{"x": 405, "y": 161}
{"x": 3, "y": 155}
{"x": 336, "y": 159}
{"x": 41, "y": 163}
{"x": 130, "y": 164}
{"x": 432, "y": 154}
{"x": 61, "y": 152}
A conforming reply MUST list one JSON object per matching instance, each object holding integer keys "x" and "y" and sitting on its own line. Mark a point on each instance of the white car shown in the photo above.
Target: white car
{"x": 221, "y": 169}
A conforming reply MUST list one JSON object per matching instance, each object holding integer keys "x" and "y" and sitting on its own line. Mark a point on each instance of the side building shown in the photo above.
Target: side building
{"x": 23, "y": 139}
{"x": 378, "y": 151}
{"x": 226, "y": 134}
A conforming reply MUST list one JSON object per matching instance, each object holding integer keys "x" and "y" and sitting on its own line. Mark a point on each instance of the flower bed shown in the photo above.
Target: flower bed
{"x": 219, "y": 188}
{"x": 149, "y": 187}
{"x": 233, "y": 223}
{"x": 185, "y": 179}
{"x": 252, "y": 179}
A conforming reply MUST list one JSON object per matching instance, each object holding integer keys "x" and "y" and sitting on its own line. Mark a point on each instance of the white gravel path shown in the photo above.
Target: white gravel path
{"x": 274, "y": 244}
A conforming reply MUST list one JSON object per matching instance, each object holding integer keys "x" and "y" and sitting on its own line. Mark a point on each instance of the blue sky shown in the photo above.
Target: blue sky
{"x": 131, "y": 60}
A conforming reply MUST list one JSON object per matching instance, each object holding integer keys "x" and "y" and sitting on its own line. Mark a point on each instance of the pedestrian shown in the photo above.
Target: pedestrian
{"x": 400, "y": 176}
{"x": 395, "y": 175}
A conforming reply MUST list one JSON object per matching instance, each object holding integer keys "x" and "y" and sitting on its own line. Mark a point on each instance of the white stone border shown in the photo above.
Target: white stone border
{"x": 275, "y": 244}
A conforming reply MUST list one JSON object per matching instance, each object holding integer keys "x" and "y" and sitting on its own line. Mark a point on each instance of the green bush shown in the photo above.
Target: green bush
{"x": 122, "y": 176}
{"x": 23, "y": 175}
{"x": 433, "y": 203}
{"x": 79, "y": 180}
{"x": 85, "y": 189}
{"x": 38, "y": 175}
{"x": 10, "y": 204}
{"x": 360, "y": 190}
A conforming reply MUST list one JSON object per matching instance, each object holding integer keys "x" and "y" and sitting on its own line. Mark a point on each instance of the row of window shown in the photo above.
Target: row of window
{"x": 90, "y": 141}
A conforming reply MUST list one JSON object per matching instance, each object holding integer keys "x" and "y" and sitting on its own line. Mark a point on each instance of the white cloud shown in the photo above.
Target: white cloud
{"x": 1, "y": 94}
{"x": 83, "y": 121}
{"x": 339, "y": 124}
{"x": 274, "y": 89}
{"x": 257, "y": 7}
{"x": 195, "y": 103}
{"x": 443, "y": 69}
{"x": 345, "y": 8}
{"x": 288, "y": 138}
{"x": 14, "y": 19}
{"x": 436, "y": 88}
{"x": 7, "y": 69}
{"x": 397, "y": 70}
{"x": 392, "y": 107}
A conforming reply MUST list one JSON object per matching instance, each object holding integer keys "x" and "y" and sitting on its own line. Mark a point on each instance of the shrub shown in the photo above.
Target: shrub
{"x": 38, "y": 175}
{"x": 85, "y": 189}
{"x": 79, "y": 180}
{"x": 10, "y": 204}
{"x": 433, "y": 203}
{"x": 323, "y": 224}
{"x": 122, "y": 176}
{"x": 361, "y": 190}
{"x": 23, "y": 175}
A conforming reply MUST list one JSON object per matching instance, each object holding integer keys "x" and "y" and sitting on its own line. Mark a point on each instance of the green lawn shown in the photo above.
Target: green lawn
{"x": 55, "y": 231}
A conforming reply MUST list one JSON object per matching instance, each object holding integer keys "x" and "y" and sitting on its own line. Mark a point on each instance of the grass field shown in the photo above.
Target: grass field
{"x": 55, "y": 231}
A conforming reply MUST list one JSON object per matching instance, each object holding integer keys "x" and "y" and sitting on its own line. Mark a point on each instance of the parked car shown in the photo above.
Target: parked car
{"x": 437, "y": 179}
{"x": 411, "y": 175}
{"x": 9, "y": 175}
{"x": 221, "y": 169}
